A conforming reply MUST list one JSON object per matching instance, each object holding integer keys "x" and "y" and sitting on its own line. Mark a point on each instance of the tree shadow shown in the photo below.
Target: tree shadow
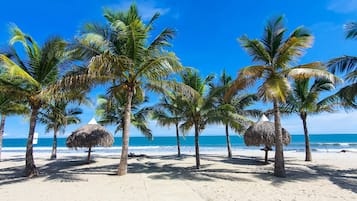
{"x": 206, "y": 172}
{"x": 12, "y": 175}
{"x": 346, "y": 179}
{"x": 237, "y": 160}
{"x": 16, "y": 158}
{"x": 70, "y": 169}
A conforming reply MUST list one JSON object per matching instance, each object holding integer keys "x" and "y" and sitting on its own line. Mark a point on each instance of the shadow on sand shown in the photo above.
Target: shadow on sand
{"x": 70, "y": 169}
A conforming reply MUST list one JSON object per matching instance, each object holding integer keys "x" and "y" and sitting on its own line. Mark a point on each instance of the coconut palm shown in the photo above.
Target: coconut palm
{"x": 348, "y": 66}
{"x": 9, "y": 107}
{"x": 125, "y": 57}
{"x": 274, "y": 56}
{"x": 168, "y": 112}
{"x": 111, "y": 111}
{"x": 56, "y": 116}
{"x": 239, "y": 102}
{"x": 200, "y": 109}
{"x": 31, "y": 77}
{"x": 304, "y": 100}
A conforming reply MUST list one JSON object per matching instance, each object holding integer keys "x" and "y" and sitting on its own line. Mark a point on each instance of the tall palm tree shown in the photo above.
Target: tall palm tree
{"x": 31, "y": 77}
{"x": 9, "y": 107}
{"x": 123, "y": 55}
{"x": 200, "y": 109}
{"x": 304, "y": 100}
{"x": 239, "y": 102}
{"x": 56, "y": 116}
{"x": 348, "y": 66}
{"x": 111, "y": 110}
{"x": 168, "y": 112}
{"x": 274, "y": 56}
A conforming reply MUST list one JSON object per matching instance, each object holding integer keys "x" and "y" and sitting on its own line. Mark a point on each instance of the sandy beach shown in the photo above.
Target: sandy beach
{"x": 331, "y": 176}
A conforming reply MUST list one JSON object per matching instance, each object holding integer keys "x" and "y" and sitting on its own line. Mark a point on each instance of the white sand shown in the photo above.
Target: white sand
{"x": 332, "y": 176}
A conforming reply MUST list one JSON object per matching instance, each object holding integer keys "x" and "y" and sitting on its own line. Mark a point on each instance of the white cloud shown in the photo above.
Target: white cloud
{"x": 146, "y": 8}
{"x": 343, "y": 6}
{"x": 5, "y": 134}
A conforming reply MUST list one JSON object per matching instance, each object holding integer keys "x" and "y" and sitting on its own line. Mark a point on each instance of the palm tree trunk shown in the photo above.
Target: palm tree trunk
{"x": 279, "y": 167}
{"x": 197, "y": 147}
{"x": 308, "y": 156}
{"x": 228, "y": 143}
{"x": 2, "y": 130}
{"x": 89, "y": 151}
{"x": 30, "y": 169}
{"x": 123, "y": 165}
{"x": 54, "y": 145}
{"x": 178, "y": 140}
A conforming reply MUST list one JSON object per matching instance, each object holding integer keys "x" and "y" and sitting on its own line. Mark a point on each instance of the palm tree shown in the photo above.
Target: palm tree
{"x": 9, "y": 107}
{"x": 274, "y": 55}
{"x": 56, "y": 116}
{"x": 200, "y": 109}
{"x": 304, "y": 100}
{"x": 168, "y": 112}
{"x": 239, "y": 102}
{"x": 31, "y": 78}
{"x": 124, "y": 56}
{"x": 111, "y": 110}
{"x": 347, "y": 65}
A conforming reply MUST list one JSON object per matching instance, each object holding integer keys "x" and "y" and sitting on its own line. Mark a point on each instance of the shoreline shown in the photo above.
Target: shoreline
{"x": 170, "y": 149}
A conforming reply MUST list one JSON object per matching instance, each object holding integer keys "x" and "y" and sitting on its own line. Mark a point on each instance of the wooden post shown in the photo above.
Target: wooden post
{"x": 88, "y": 158}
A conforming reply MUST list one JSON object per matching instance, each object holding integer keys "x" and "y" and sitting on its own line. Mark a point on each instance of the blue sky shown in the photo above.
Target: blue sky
{"x": 206, "y": 39}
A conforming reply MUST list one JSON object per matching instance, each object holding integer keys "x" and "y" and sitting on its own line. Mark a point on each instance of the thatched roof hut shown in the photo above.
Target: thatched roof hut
{"x": 263, "y": 133}
{"x": 90, "y": 135}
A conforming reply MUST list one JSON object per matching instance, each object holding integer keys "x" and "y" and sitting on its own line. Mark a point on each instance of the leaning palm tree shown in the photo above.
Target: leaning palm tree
{"x": 347, "y": 65}
{"x": 31, "y": 77}
{"x": 274, "y": 55}
{"x": 9, "y": 107}
{"x": 123, "y": 55}
{"x": 239, "y": 102}
{"x": 168, "y": 112}
{"x": 304, "y": 100}
{"x": 111, "y": 110}
{"x": 57, "y": 116}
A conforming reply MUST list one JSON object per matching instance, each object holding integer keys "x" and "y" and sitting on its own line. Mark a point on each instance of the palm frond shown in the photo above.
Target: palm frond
{"x": 16, "y": 71}
{"x": 274, "y": 87}
{"x": 293, "y": 47}
{"x": 162, "y": 39}
{"x": 255, "y": 49}
{"x": 314, "y": 69}
{"x": 343, "y": 64}
{"x": 351, "y": 30}
{"x": 273, "y": 36}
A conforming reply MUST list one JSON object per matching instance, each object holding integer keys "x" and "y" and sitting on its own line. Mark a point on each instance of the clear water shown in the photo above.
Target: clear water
{"x": 321, "y": 142}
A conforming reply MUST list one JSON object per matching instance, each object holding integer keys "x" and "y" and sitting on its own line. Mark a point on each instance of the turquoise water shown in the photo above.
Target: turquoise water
{"x": 323, "y": 142}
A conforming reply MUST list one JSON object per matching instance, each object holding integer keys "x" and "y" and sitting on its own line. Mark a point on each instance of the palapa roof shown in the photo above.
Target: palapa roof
{"x": 263, "y": 133}
{"x": 90, "y": 135}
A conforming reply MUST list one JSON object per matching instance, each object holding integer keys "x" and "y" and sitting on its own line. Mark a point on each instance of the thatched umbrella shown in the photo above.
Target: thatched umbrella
{"x": 89, "y": 136}
{"x": 263, "y": 133}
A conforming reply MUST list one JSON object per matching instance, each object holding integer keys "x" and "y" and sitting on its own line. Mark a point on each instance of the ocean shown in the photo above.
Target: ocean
{"x": 319, "y": 143}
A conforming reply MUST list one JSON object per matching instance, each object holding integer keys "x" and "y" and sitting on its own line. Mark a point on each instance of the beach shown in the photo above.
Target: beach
{"x": 154, "y": 177}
